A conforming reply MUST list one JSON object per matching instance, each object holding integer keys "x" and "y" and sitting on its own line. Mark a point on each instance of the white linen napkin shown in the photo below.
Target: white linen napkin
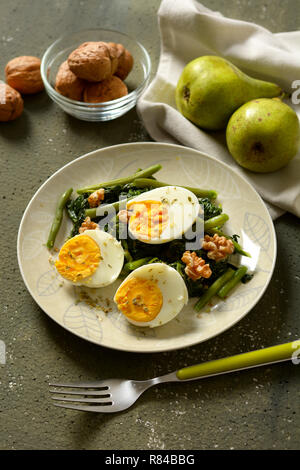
{"x": 189, "y": 30}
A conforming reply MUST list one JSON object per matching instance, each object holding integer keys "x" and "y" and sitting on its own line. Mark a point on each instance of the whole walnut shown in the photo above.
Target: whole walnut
{"x": 67, "y": 84}
{"x": 125, "y": 65}
{"x": 106, "y": 90}
{"x": 23, "y": 74}
{"x": 93, "y": 61}
{"x": 11, "y": 103}
{"x": 125, "y": 60}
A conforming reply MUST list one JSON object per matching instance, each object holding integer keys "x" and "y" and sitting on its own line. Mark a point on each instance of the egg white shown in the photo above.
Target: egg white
{"x": 183, "y": 208}
{"x": 172, "y": 287}
{"x": 111, "y": 263}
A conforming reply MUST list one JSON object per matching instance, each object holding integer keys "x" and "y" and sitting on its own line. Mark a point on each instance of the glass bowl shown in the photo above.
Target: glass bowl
{"x": 136, "y": 81}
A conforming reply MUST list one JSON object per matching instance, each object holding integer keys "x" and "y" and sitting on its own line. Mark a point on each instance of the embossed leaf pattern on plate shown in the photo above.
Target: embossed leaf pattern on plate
{"x": 258, "y": 230}
{"x": 83, "y": 321}
{"x": 48, "y": 283}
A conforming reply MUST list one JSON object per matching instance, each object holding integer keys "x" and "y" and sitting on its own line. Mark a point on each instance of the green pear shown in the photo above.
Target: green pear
{"x": 210, "y": 89}
{"x": 263, "y": 135}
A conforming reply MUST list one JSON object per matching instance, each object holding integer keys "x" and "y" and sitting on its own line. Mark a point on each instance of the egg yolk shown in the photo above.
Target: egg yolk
{"x": 78, "y": 258}
{"x": 139, "y": 299}
{"x": 148, "y": 218}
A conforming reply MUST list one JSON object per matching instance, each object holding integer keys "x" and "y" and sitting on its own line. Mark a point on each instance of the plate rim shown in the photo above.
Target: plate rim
{"x": 149, "y": 144}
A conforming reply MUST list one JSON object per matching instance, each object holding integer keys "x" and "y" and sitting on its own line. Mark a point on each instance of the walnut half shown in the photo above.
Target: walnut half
{"x": 88, "y": 224}
{"x": 195, "y": 266}
{"x": 218, "y": 247}
{"x": 96, "y": 197}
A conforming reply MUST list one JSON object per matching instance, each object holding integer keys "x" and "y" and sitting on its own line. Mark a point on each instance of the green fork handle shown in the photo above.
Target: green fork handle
{"x": 282, "y": 352}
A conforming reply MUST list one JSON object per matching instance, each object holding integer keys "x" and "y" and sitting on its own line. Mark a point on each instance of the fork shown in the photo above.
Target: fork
{"x": 108, "y": 396}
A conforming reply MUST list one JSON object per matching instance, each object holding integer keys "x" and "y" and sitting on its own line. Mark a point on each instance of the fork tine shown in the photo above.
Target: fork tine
{"x": 99, "y": 385}
{"x": 82, "y": 392}
{"x": 85, "y": 400}
{"x": 95, "y": 409}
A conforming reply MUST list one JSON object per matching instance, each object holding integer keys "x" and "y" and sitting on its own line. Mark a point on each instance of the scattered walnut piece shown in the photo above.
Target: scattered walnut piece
{"x": 106, "y": 90}
{"x": 96, "y": 197}
{"x": 93, "y": 61}
{"x": 87, "y": 224}
{"x": 218, "y": 247}
{"x": 23, "y": 74}
{"x": 195, "y": 266}
{"x": 67, "y": 84}
{"x": 11, "y": 103}
{"x": 124, "y": 216}
{"x": 125, "y": 65}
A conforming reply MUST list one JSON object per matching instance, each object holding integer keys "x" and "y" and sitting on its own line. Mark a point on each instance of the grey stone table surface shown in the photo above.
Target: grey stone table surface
{"x": 254, "y": 409}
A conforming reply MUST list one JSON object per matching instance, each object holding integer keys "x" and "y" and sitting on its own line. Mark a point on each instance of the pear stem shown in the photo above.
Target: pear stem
{"x": 281, "y": 97}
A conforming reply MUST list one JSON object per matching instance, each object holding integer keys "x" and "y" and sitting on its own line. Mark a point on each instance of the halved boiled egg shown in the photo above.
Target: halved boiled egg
{"x": 93, "y": 258}
{"x": 162, "y": 214}
{"x": 151, "y": 295}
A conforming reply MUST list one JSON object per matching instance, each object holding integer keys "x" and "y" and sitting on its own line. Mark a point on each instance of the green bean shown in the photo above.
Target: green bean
{"x": 91, "y": 213}
{"x": 237, "y": 276}
{"x": 214, "y": 289}
{"x": 127, "y": 254}
{"x": 107, "y": 208}
{"x": 122, "y": 181}
{"x": 132, "y": 265}
{"x": 147, "y": 182}
{"x": 58, "y": 217}
{"x": 216, "y": 221}
{"x": 238, "y": 248}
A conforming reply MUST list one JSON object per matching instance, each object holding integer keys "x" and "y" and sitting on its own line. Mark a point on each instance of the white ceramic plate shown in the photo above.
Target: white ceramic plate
{"x": 183, "y": 166}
